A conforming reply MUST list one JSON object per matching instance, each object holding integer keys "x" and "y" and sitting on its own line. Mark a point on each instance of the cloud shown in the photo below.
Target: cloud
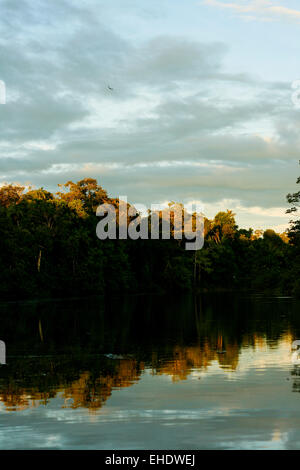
{"x": 265, "y": 10}
{"x": 178, "y": 125}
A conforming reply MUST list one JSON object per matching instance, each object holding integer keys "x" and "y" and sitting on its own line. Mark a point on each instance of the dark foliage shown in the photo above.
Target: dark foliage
{"x": 48, "y": 247}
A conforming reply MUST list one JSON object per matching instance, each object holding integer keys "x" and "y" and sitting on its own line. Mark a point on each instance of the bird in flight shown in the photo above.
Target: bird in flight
{"x": 110, "y": 88}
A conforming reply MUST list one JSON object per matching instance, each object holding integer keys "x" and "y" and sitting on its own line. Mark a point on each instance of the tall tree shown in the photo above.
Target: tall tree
{"x": 294, "y": 200}
{"x": 10, "y": 194}
{"x": 84, "y": 196}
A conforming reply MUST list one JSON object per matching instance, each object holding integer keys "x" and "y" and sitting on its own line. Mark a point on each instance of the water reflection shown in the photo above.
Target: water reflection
{"x": 81, "y": 351}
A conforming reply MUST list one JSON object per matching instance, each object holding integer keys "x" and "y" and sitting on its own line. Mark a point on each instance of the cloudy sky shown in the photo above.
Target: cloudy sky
{"x": 200, "y": 110}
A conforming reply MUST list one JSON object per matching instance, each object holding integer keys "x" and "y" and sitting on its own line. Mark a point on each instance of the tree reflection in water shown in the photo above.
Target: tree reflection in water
{"x": 59, "y": 349}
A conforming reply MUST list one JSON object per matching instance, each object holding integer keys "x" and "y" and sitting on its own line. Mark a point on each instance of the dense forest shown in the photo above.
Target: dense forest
{"x": 49, "y": 248}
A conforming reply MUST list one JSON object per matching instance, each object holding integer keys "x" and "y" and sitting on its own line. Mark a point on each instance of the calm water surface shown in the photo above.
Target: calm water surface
{"x": 212, "y": 372}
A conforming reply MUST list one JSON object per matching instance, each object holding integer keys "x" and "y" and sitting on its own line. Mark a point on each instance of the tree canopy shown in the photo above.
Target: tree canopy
{"x": 49, "y": 247}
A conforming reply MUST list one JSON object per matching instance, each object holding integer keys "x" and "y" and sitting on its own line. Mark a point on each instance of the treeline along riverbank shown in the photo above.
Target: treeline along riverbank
{"x": 49, "y": 247}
